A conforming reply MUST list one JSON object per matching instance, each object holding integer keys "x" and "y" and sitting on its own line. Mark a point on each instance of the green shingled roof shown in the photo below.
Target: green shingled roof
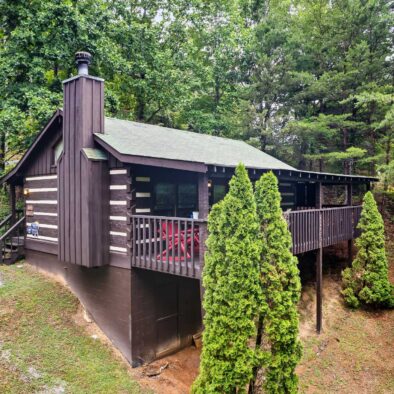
{"x": 140, "y": 139}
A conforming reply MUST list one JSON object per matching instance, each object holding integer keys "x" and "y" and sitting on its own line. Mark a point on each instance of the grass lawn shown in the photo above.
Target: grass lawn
{"x": 43, "y": 350}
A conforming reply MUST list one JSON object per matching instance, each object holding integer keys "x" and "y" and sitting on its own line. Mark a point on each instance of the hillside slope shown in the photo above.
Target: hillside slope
{"x": 44, "y": 347}
{"x": 355, "y": 351}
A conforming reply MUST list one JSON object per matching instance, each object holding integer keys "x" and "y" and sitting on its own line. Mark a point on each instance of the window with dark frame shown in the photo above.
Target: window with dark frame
{"x": 179, "y": 199}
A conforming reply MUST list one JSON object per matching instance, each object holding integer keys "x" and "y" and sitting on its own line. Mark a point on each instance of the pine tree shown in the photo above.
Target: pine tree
{"x": 232, "y": 291}
{"x": 280, "y": 284}
{"x": 366, "y": 282}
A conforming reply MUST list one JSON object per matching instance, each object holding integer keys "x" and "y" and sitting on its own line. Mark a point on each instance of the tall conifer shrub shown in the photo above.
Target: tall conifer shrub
{"x": 280, "y": 285}
{"x": 366, "y": 282}
{"x": 232, "y": 290}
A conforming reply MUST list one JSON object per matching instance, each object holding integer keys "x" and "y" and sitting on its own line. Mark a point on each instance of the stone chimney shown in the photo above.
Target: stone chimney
{"x": 83, "y": 182}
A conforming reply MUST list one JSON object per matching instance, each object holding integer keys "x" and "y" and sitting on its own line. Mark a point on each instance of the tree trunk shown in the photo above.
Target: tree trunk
{"x": 259, "y": 341}
{"x": 346, "y": 163}
{"x": 2, "y": 152}
{"x": 387, "y": 161}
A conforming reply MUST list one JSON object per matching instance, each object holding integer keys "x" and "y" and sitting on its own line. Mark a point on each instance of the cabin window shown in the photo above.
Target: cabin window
{"x": 187, "y": 195}
{"x": 57, "y": 151}
{"x": 165, "y": 197}
{"x": 175, "y": 199}
{"x": 219, "y": 192}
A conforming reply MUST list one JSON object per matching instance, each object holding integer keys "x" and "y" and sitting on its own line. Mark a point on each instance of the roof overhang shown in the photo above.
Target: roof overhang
{"x": 152, "y": 161}
{"x": 218, "y": 170}
{"x": 16, "y": 170}
{"x": 296, "y": 175}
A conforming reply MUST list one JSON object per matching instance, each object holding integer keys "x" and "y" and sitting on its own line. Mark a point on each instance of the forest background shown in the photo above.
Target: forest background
{"x": 310, "y": 82}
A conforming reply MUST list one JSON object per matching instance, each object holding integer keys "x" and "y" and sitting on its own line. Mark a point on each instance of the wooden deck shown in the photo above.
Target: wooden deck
{"x": 327, "y": 225}
{"x": 172, "y": 244}
{"x": 167, "y": 244}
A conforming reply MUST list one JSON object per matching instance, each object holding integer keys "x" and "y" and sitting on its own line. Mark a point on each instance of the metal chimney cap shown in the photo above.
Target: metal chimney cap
{"x": 83, "y": 57}
{"x": 82, "y": 60}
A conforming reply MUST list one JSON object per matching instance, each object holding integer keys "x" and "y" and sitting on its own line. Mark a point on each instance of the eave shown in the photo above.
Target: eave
{"x": 16, "y": 170}
{"x": 153, "y": 161}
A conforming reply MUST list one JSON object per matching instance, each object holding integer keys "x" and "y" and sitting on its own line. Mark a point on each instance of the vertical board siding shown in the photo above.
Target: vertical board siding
{"x": 83, "y": 184}
{"x": 41, "y": 161}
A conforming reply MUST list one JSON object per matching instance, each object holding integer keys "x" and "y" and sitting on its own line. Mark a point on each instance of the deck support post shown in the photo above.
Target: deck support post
{"x": 319, "y": 262}
{"x": 349, "y": 202}
{"x": 203, "y": 208}
{"x": 319, "y": 292}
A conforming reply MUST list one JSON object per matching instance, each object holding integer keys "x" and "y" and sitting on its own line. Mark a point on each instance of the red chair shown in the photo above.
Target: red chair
{"x": 178, "y": 240}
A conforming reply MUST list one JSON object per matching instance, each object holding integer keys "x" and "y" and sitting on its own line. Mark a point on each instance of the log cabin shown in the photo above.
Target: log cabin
{"x": 118, "y": 209}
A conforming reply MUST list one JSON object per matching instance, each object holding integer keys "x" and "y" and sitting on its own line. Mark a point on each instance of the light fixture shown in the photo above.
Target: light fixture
{"x": 209, "y": 183}
{"x": 26, "y": 192}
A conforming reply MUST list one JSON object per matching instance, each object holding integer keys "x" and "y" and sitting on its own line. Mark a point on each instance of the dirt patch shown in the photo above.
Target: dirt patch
{"x": 177, "y": 377}
{"x": 353, "y": 354}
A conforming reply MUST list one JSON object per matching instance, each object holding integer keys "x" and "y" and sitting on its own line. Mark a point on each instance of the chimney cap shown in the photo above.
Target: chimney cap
{"x": 83, "y": 58}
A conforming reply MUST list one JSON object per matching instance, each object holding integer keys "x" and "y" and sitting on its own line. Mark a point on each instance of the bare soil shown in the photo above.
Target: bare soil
{"x": 353, "y": 354}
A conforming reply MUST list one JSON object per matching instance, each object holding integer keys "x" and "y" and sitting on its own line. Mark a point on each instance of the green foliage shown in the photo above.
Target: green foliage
{"x": 300, "y": 80}
{"x": 232, "y": 291}
{"x": 281, "y": 287}
{"x": 366, "y": 282}
{"x": 4, "y": 203}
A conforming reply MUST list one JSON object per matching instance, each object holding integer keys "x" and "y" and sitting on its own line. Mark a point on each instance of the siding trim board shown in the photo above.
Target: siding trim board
{"x": 142, "y": 210}
{"x": 142, "y": 179}
{"x": 118, "y": 218}
{"x": 40, "y": 178}
{"x": 42, "y": 238}
{"x": 43, "y": 189}
{"x": 118, "y": 172}
{"x": 45, "y": 214}
{"x": 43, "y": 225}
{"x": 48, "y": 202}
{"x": 118, "y": 202}
{"x": 117, "y": 249}
{"x": 118, "y": 187}
{"x": 120, "y": 233}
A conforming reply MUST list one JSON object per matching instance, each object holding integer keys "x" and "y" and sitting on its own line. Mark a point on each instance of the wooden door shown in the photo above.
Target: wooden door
{"x": 167, "y": 316}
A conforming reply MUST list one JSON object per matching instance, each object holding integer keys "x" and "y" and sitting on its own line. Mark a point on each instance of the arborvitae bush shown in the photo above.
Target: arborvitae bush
{"x": 232, "y": 291}
{"x": 281, "y": 287}
{"x": 366, "y": 281}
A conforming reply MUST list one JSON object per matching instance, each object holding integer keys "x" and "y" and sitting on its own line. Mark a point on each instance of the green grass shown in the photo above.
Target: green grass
{"x": 42, "y": 349}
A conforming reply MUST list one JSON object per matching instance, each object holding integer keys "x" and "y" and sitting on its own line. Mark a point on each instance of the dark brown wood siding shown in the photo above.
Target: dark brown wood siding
{"x": 83, "y": 184}
{"x": 165, "y": 313}
{"x": 104, "y": 292}
{"x": 41, "y": 161}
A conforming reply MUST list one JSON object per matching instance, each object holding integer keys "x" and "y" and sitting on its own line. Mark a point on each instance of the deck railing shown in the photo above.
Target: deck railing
{"x": 172, "y": 244}
{"x": 166, "y": 244}
{"x": 328, "y": 225}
